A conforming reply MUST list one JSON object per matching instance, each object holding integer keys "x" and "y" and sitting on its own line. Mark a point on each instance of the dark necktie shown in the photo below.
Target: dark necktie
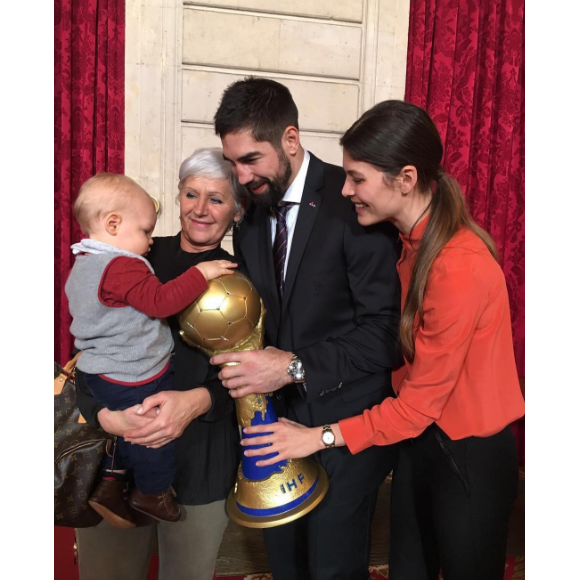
{"x": 280, "y": 244}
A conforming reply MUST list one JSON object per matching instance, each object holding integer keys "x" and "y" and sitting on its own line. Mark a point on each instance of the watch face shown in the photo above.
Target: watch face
{"x": 328, "y": 437}
{"x": 296, "y": 371}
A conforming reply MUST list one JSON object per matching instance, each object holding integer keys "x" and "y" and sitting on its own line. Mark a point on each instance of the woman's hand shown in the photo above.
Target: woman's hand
{"x": 176, "y": 410}
{"x": 289, "y": 439}
{"x": 119, "y": 422}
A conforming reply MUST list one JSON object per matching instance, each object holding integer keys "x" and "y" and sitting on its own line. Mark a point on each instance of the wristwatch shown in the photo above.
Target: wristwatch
{"x": 327, "y": 436}
{"x": 296, "y": 370}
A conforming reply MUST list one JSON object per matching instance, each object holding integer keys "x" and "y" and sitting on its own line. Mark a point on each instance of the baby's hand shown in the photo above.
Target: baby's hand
{"x": 215, "y": 269}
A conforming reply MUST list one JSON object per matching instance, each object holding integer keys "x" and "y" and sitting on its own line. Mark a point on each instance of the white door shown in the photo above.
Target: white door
{"x": 337, "y": 57}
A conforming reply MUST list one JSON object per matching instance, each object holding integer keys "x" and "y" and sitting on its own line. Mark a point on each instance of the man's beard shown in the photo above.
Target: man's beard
{"x": 276, "y": 187}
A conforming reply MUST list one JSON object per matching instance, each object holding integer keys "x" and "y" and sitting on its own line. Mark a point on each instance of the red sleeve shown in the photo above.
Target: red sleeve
{"x": 129, "y": 282}
{"x": 453, "y": 303}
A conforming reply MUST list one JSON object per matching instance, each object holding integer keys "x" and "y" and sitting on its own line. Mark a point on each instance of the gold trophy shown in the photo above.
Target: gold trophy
{"x": 229, "y": 317}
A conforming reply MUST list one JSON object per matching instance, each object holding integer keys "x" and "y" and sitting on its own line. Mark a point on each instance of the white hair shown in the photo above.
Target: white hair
{"x": 209, "y": 162}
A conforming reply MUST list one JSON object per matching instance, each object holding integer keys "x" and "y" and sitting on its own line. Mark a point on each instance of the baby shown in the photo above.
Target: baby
{"x": 118, "y": 307}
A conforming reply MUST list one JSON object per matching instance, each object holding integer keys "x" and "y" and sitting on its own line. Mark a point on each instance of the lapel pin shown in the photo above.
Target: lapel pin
{"x": 312, "y": 204}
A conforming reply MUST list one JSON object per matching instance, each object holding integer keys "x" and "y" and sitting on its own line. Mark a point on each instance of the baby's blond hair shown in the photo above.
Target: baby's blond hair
{"x": 102, "y": 194}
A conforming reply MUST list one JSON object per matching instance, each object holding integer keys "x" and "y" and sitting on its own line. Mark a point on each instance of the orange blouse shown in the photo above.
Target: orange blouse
{"x": 464, "y": 375}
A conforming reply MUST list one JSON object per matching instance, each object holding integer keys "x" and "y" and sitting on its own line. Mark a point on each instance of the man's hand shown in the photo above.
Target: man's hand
{"x": 258, "y": 371}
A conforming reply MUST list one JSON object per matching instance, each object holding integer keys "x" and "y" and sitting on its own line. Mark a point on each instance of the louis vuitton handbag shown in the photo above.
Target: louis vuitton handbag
{"x": 78, "y": 450}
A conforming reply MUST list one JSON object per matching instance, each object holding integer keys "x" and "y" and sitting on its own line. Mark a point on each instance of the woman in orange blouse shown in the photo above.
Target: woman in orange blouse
{"x": 456, "y": 480}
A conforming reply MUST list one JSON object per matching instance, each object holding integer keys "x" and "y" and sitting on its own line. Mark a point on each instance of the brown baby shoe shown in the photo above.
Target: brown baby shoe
{"x": 161, "y": 506}
{"x": 110, "y": 501}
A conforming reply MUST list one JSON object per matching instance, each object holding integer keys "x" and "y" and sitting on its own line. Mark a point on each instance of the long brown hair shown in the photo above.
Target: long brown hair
{"x": 390, "y": 136}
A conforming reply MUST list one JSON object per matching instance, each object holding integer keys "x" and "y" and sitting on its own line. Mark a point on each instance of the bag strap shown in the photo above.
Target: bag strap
{"x": 67, "y": 372}
{"x": 70, "y": 366}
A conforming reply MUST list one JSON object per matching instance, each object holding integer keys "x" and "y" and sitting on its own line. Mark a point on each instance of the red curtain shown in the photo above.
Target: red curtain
{"x": 89, "y": 137}
{"x": 89, "y": 123}
{"x": 465, "y": 66}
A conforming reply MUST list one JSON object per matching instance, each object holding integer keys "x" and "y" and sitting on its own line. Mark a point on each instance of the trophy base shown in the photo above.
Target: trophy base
{"x": 271, "y": 521}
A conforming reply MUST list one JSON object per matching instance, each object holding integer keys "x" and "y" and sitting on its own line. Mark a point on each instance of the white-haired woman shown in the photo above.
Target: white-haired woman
{"x": 199, "y": 413}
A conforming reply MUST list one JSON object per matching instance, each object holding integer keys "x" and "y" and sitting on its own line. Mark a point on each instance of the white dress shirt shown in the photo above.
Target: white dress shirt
{"x": 293, "y": 195}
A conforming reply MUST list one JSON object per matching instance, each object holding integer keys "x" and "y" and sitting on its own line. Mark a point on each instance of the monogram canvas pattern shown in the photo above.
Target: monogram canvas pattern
{"x": 78, "y": 450}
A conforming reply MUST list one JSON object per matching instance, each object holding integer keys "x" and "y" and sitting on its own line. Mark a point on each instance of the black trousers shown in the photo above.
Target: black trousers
{"x": 333, "y": 541}
{"x": 450, "y": 506}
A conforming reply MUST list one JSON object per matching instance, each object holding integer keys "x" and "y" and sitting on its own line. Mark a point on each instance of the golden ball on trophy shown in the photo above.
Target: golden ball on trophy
{"x": 224, "y": 314}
